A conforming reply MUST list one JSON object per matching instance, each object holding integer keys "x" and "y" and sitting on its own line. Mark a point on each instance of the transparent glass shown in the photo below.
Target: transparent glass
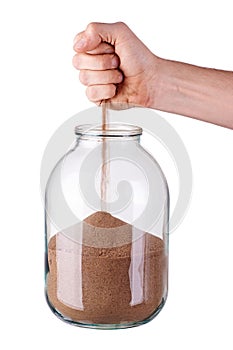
{"x": 107, "y": 209}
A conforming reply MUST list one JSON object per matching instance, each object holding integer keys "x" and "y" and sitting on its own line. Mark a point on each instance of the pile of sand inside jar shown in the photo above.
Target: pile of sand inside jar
{"x": 104, "y": 271}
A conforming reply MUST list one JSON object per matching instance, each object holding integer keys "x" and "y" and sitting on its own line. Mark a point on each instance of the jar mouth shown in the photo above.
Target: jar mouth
{"x": 111, "y": 129}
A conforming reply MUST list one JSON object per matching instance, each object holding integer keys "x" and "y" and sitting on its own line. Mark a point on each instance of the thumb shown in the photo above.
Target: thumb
{"x": 96, "y": 33}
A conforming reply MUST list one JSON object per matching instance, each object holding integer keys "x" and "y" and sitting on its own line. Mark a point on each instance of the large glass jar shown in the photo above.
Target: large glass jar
{"x": 107, "y": 208}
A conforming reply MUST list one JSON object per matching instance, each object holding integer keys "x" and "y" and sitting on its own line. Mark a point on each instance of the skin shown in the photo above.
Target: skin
{"x": 116, "y": 66}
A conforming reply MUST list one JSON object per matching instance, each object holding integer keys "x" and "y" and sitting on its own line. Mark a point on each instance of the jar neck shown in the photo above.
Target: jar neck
{"x": 108, "y": 139}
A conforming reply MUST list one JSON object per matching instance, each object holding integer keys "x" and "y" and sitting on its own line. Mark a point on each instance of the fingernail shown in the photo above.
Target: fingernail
{"x": 115, "y": 62}
{"x": 80, "y": 44}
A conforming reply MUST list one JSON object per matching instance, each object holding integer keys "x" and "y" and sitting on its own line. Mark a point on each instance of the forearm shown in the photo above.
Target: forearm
{"x": 201, "y": 93}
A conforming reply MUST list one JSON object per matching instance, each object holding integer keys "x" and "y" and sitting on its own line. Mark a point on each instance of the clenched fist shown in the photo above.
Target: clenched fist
{"x": 115, "y": 65}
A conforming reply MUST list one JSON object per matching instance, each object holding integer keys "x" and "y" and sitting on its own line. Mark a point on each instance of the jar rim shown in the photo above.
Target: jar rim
{"x": 111, "y": 129}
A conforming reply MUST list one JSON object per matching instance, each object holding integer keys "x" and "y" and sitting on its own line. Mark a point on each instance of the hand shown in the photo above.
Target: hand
{"x": 115, "y": 65}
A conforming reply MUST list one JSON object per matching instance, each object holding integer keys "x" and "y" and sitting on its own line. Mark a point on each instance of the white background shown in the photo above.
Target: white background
{"x": 39, "y": 91}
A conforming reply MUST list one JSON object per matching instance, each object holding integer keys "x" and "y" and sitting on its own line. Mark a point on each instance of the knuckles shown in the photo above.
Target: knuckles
{"x": 122, "y": 25}
{"x": 92, "y": 26}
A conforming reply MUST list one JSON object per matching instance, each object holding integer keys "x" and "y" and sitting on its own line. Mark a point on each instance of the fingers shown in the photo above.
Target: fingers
{"x": 97, "y": 93}
{"x": 96, "y": 33}
{"x": 95, "y": 62}
{"x": 101, "y": 49}
{"x": 89, "y": 77}
{"x": 101, "y": 85}
{"x": 84, "y": 42}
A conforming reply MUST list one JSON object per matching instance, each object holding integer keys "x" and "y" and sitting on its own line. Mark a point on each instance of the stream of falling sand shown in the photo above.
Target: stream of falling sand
{"x": 105, "y": 160}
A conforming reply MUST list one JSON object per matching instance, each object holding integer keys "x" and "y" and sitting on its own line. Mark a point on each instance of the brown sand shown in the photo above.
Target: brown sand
{"x": 105, "y": 155}
{"x": 110, "y": 278}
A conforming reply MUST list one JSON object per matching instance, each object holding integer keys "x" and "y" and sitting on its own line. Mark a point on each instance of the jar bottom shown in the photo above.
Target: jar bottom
{"x": 111, "y": 326}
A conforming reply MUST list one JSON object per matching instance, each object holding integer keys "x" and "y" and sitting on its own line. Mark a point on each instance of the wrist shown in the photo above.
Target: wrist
{"x": 192, "y": 91}
{"x": 182, "y": 88}
{"x": 176, "y": 87}
{"x": 157, "y": 83}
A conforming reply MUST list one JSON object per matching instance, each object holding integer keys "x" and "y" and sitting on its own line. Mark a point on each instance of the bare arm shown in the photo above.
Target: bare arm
{"x": 115, "y": 65}
{"x": 201, "y": 93}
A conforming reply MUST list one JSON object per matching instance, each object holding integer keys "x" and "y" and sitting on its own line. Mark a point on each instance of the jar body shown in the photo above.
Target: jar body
{"x": 107, "y": 258}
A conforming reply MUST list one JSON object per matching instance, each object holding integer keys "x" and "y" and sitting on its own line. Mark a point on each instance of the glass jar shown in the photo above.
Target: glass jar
{"x": 107, "y": 209}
